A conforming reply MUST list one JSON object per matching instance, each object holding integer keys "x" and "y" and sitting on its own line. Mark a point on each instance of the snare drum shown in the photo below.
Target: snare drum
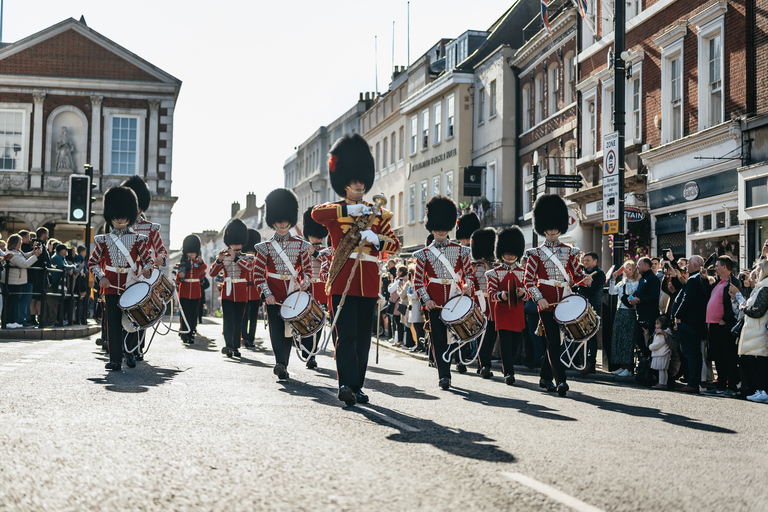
{"x": 577, "y": 318}
{"x": 463, "y": 318}
{"x": 141, "y": 305}
{"x": 302, "y": 312}
{"x": 161, "y": 286}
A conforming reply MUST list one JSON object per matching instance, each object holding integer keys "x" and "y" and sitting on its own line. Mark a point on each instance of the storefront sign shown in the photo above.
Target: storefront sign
{"x": 434, "y": 160}
{"x": 634, "y": 214}
{"x": 691, "y": 191}
{"x": 594, "y": 207}
{"x": 473, "y": 181}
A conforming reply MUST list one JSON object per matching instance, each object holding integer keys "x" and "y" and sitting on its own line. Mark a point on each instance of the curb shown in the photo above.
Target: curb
{"x": 50, "y": 333}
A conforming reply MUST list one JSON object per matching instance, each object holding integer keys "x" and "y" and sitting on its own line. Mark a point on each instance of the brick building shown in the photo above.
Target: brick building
{"x": 70, "y": 96}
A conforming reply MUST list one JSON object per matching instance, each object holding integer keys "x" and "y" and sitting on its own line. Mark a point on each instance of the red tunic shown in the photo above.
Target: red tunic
{"x": 156, "y": 245}
{"x": 540, "y": 268}
{"x": 107, "y": 260}
{"x": 365, "y": 282}
{"x": 269, "y": 265}
{"x": 236, "y": 271}
{"x": 318, "y": 280}
{"x": 429, "y": 269}
{"x": 480, "y": 267}
{"x": 503, "y": 278}
{"x": 189, "y": 285}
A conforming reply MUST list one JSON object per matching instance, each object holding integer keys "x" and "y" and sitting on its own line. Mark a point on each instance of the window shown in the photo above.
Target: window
{"x": 527, "y": 188}
{"x": 402, "y": 143}
{"x": 412, "y": 203}
{"x": 449, "y": 118}
{"x": 671, "y": 44}
{"x": 438, "y": 119}
{"x": 590, "y": 24}
{"x": 435, "y": 185}
{"x": 490, "y": 182}
{"x": 570, "y": 68}
{"x": 378, "y": 155}
{"x": 422, "y": 199}
{"x": 425, "y": 129}
{"x": 636, "y": 103}
{"x": 386, "y": 153}
{"x": 554, "y": 88}
{"x": 706, "y": 221}
{"x": 414, "y": 133}
{"x": 676, "y": 98}
{"x": 710, "y": 24}
{"x": 526, "y": 107}
{"x": 539, "y": 99}
{"x": 12, "y": 140}
{"x": 733, "y": 218}
{"x": 449, "y": 184}
{"x": 399, "y": 209}
{"x": 569, "y": 164}
{"x": 720, "y": 220}
{"x": 450, "y": 59}
{"x": 554, "y": 162}
{"x": 123, "y": 146}
{"x": 481, "y": 105}
{"x": 715, "y": 85}
{"x": 492, "y": 105}
{"x": 633, "y": 8}
{"x": 694, "y": 225}
{"x": 592, "y": 133}
{"x": 609, "y": 100}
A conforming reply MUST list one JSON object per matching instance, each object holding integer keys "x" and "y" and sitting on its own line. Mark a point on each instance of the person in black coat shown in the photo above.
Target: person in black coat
{"x": 646, "y": 301}
{"x": 690, "y": 311}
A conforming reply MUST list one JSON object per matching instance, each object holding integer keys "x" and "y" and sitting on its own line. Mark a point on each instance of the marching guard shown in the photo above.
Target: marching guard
{"x": 482, "y": 243}
{"x": 152, "y": 230}
{"x": 282, "y": 266}
{"x": 251, "y": 315}
{"x": 551, "y": 269}
{"x": 191, "y": 271}
{"x": 236, "y": 268}
{"x": 351, "y": 169}
{"x": 117, "y": 258}
{"x": 443, "y": 270}
{"x": 467, "y": 224}
{"x": 507, "y": 294}
{"x": 316, "y": 234}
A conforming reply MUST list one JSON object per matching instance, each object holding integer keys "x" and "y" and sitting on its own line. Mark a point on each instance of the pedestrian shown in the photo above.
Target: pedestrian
{"x": 661, "y": 350}
{"x": 646, "y": 302}
{"x": 395, "y": 290}
{"x": 625, "y": 324}
{"x": 40, "y": 278}
{"x": 17, "y": 278}
{"x": 753, "y": 341}
{"x": 689, "y": 312}
{"x": 594, "y": 295}
{"x": 59, "y": 280}
{"x": 415, "y": 316}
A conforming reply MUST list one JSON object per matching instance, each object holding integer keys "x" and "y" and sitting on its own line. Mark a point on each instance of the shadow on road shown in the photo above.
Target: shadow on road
{"x": 383, "y": 371}
{"x": 136, "y": 380}
{"x": 201, "y": 344}
{"x": 649, "y": 412}
{"x": 524, "y": 406}
{"x": 245, "y": 360}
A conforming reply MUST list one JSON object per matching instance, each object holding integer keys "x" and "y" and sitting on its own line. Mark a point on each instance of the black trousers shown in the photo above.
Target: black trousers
{"x": 353, "y": 338}
{"x": 488, "y": 342}
{"x": 189, "y": 307}
{"x": 232, "y": 316}
{"x": 438, "y": 337}
{"x": 509, "y": 344}
{"x": 250, "y": 318}
{"x": 281, "y": 344}
{"x": 723, "y": 350}
{"x": 398, "y": 326}
{"x": 315, "y": 340}
{"x": 552, "y": 366}
{"x": 114, "y": 329}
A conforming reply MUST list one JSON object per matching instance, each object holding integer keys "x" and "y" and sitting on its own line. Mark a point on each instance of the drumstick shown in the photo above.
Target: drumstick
{"x": 582, "y": 280}
{"x": 116, "y": 287}
{"x": 509, "y": 293}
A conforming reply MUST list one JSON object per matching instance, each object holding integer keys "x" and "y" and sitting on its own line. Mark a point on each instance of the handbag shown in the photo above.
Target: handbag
{"x": 390, "y": 308}
{"x": 644, "y": 374}
{"x": 736, "y": 329}
{"x": 402, "y": 308}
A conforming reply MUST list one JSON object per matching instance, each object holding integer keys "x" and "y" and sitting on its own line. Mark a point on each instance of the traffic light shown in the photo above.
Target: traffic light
{"x": 79, "y": 204}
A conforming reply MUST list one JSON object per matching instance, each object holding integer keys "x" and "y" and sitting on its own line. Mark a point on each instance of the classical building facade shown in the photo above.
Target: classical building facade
{"x": 70, "y": 96}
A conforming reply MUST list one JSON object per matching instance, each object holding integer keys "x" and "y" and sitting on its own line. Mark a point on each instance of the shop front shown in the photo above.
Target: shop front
{"x": 753, "y": 210}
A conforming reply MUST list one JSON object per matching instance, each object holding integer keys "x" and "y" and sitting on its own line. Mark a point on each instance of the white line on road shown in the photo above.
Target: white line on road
{"x": 7, "y": 368}
{"x": 388, "y": 419}
{"x": 553, "y": 493}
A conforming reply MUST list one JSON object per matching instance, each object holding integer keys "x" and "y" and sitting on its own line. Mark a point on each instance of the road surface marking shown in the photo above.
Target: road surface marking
{"x": 553, "y": 493}
{"x": 388, "y": 419}
{"x": 7, "y": 368}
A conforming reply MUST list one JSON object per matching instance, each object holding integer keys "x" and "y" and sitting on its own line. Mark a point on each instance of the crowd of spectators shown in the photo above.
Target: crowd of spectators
{"x": 43, "y": 282}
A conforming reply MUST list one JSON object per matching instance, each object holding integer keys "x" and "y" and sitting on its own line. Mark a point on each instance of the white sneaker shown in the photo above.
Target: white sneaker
{"x": 13, "y": 325}
{"x": 624, "y": 373}
{"x": 760, "y": 397}
{"x": 616, "y": 372}
{"x": 756, "y": 394}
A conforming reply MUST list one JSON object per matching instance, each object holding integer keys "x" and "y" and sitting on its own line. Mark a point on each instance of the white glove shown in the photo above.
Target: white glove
{"x": 356, "y": 210}
{"x": 370, "y": 237}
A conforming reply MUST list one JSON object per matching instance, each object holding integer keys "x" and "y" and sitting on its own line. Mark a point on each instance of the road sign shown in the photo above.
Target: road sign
{"x": 610, "y": 198}
{"x": 611, "y": 227}
{"x": 610, "y": 154}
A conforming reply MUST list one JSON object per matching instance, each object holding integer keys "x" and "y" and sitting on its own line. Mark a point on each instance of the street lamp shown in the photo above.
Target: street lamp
{"x": 535, "y": 236}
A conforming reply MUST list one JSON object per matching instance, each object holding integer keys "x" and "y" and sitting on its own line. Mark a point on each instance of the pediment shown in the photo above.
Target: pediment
{"x": 72, "y": 50}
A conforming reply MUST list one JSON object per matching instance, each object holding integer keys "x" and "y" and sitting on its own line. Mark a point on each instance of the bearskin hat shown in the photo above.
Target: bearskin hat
{"x": 311, "y": 227}
{"x": 350, "y": 159}
{"x": 550, "y": 212}
{"x": 482, "y": 243}
{"x": 235, "y": 233}
{"x": 468, "y": 224}
{"x": 139, "y": 186}
{"x": 510, "y": 241}
{"x": 282, "y": 205}
{"x": 191, "y": 244}
{"x": 254, "y": 237}
{"x": 120, "y": 202}
{"x": 441, "y": 214}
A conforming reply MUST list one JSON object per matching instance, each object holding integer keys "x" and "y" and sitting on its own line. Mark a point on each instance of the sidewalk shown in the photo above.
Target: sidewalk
{"x": 67, "y": 332}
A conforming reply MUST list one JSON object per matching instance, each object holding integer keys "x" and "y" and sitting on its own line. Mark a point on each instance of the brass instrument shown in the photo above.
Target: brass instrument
{"x": 351, "y": 240}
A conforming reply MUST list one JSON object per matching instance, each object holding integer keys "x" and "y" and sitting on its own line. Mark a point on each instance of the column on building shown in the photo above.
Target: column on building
{"x": 154, "y": 110}
{"x": 36, "y": 174}
{"x": 95, "y": 157}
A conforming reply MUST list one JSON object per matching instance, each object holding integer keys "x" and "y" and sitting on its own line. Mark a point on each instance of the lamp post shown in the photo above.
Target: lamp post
{"x": 535, "y": 236}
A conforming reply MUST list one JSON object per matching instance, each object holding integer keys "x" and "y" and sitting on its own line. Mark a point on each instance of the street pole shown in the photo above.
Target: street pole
{"x": 619, "y": 123}
{"x": 89, "y": 173}
{"x": 534, "y": 235}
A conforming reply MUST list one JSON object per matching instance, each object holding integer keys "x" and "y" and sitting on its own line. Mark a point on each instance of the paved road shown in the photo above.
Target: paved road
{"x": 192, "y": 430}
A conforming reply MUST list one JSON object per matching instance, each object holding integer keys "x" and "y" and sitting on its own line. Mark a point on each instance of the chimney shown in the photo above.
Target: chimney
{"x": 361, "y": 97}
{"x": 367, "y": 96}
{"x": 250, "y": 201}
{"x": 235, "y": 209}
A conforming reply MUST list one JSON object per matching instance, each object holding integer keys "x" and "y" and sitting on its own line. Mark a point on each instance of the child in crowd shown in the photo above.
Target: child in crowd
{"x": 661, "y": 350}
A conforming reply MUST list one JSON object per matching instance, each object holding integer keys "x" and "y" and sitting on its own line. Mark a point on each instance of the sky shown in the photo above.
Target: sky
{"x": 258, "y": 78}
